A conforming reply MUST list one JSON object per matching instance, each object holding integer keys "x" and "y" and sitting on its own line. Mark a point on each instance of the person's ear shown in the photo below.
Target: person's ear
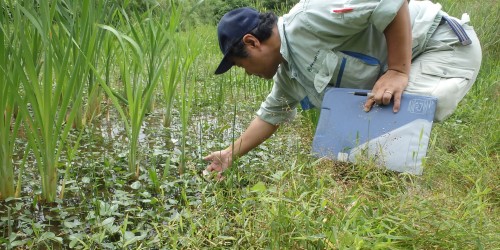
{"x": 251, "y": 41}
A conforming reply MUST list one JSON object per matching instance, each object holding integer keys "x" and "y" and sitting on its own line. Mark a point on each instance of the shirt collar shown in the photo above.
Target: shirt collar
{"x": 284, "y": 43}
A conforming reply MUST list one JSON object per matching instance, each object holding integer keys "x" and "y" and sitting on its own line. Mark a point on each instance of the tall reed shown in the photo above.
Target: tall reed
{"x": 170, "y": 80}
{"x": 10, "y": 120}
{"x": 51, "y": 62}
{"x": 190, "y": 48}
{"x": 170, "y": 75}
{"x": 140, "y": 62}
{"x": 104, "y": 12}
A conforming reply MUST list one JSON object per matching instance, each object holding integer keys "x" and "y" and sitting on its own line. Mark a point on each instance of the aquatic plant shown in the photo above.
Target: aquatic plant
{"x": 170, "y": 75}
{"x": 143, "y": 46}
{"x": 10, "y": 119}
{"x": 50, "y": 64}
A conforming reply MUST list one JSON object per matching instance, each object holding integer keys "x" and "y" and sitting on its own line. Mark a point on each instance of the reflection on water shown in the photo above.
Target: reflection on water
{"x": 111, "y": 128}
{"x": 105, "y": 138}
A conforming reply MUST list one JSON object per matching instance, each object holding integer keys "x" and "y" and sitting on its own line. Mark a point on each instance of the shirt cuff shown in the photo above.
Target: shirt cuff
{"x": 276, "y": 117}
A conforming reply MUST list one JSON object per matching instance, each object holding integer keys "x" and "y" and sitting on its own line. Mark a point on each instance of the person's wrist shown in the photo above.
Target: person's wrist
{"x": 228, "y": 153}
{"x": 397, "y": 71}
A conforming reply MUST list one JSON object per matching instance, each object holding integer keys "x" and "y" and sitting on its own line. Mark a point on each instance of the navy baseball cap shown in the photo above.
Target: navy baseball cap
{"x": 231, "y": 29}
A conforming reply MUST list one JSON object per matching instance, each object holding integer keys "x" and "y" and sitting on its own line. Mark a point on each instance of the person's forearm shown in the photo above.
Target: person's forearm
{"x": 256, "y": 133}
{"x": 398, "y": 38}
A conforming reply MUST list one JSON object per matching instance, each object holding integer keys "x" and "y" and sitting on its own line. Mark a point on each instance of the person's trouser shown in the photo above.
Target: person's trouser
{"x": 446, "y": 69}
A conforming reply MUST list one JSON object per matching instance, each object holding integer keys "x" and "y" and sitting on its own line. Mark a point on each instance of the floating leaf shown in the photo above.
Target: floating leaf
{"x": 18, "y": 243}
{"x": 136, "y": 185}
{"x": 49, "y": 236}
{"x": 69, "y": 224}
{"x": 129, "y": 235}
{"x": 75, "y": 239}
{"x": 107, "y": 221}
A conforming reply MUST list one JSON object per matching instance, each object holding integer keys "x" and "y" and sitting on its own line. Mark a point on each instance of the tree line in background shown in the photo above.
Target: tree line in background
{"x": 209, "y": 11}
{"x": 213, "y": 10}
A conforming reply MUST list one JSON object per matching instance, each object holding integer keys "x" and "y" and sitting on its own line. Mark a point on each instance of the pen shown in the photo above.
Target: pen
{"x": 342, "y": 10}
{"x": 360, "y": 93}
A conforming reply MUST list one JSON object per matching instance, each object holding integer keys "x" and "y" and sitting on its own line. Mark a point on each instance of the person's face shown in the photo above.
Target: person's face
{"x": 262, "y": 61}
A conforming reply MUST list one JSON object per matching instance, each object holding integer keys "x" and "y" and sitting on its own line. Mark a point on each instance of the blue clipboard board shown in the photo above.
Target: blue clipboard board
{"x": 396, "y": 141}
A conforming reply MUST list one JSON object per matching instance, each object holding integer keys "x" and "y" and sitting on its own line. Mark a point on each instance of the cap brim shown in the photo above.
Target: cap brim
{"x": 224, "y": 66}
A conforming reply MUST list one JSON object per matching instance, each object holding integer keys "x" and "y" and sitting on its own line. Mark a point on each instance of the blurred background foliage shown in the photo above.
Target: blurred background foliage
{"x": 207, "y": 11}
{"x": 196, "y": 11}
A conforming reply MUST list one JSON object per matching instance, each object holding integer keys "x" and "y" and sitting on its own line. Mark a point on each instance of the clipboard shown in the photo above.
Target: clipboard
{"x": 396, "y": 141}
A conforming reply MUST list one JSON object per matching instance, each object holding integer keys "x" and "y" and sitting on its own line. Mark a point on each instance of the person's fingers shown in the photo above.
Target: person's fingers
{"x": 220, "y": 177}
{"x": 216, "y": 165}
{"x": 397, "y": 102}
{"x": 378, "y": 96}
{"x": 206, "y": 172}
{"x": 386, "y": 97}
{"x": 383, "y": 98}
{"x": 214, "y": 157}
{"x": 369, "y": 104}
{"x": 209, "y": 157}
{"x": 210, "y": 168}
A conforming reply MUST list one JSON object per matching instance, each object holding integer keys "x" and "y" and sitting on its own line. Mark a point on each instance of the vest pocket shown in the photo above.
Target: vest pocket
{"x": 357, "y": 70}
{"x": 345, "y": 69}
{"x": 325, "y": 65}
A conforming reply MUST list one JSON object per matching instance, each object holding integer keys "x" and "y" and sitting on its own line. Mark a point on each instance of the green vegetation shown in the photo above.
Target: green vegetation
{"x": 95, "y": 92}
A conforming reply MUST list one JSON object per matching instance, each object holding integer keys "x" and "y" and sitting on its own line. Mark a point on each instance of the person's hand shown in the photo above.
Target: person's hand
{"x": 390, "y": 86}
{"x": 220, "y": 161}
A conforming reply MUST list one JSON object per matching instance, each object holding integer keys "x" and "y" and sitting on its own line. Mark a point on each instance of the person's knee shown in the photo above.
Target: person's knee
{"x": 449, "y": 92}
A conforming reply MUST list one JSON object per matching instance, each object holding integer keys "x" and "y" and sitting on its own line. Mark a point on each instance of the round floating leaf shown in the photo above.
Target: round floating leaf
{"x": 136, "y": 185}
